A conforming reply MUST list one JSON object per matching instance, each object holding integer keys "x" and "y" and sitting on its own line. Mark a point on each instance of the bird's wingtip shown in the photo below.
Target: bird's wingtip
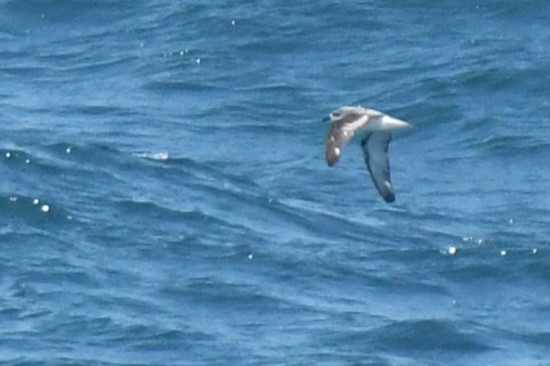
{"x": 331, "y": 161}
{"x": 389, "y": 198}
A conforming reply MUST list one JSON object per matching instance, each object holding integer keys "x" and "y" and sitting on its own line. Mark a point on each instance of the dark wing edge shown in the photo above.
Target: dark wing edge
{"x": 375, "y": 149}
{"x": 337, "y": 139}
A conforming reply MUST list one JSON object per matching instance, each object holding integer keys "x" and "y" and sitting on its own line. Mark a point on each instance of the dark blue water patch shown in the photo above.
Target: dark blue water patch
{"x": 134, "y": 336}
{"x": 98, "y": 109}
{"x": 62, "y": 67}
{"x": 166, "y": 341}
{"x": 426, "y": 336}
{"x": 517, "y": 147}
{"x": 468, "y": 268}
{"x": 90, "y": 66}
{"x": 24, "y": 69}
{"x": 66, "y": 11}
{"x": 86, "y": 155}
{"x": 181, "y": 86}
{"x": 512, "y": 12}
{"x": 541, "y": 338}
{"x": 237, "y": 299}
{"x": 535, "y": 266}
{"x": 153, "y": 211}
{"x": 193, "y": 178}
{"x": 65, "y": 361}
{"x": 59, "y": 272}
{"x": 414, "y": 337}
{"x": 364, "y": 276}
{"x": 95, "y": 328}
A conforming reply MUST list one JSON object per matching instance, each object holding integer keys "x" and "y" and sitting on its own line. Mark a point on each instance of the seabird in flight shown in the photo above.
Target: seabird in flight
{"x": 377, "y": 128}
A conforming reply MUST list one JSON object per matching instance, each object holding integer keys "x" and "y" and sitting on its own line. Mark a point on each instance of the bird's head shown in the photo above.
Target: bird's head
{"x": 342, "y": 113}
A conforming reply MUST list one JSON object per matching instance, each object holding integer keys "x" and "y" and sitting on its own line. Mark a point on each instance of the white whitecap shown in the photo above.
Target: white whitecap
{"x": 161, "y": 155}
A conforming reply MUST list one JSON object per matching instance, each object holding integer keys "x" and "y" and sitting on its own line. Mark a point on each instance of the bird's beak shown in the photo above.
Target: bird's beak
{"x": 326, "y": 119}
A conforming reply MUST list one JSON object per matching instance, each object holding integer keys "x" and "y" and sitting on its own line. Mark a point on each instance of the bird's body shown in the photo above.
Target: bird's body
{"x": 377, "y": 127}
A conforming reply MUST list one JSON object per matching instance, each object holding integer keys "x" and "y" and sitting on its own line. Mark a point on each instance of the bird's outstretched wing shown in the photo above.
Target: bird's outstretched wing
{"x": 375, "y": 148}
{"x": 341, "y": 131}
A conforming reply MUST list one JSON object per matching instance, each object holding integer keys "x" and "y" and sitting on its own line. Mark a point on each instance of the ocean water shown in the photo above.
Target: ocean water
{"x": 164, "y": 198}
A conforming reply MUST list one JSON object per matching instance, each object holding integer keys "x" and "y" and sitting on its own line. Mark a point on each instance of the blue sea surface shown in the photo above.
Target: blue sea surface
{"x": 164, "y": 198}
